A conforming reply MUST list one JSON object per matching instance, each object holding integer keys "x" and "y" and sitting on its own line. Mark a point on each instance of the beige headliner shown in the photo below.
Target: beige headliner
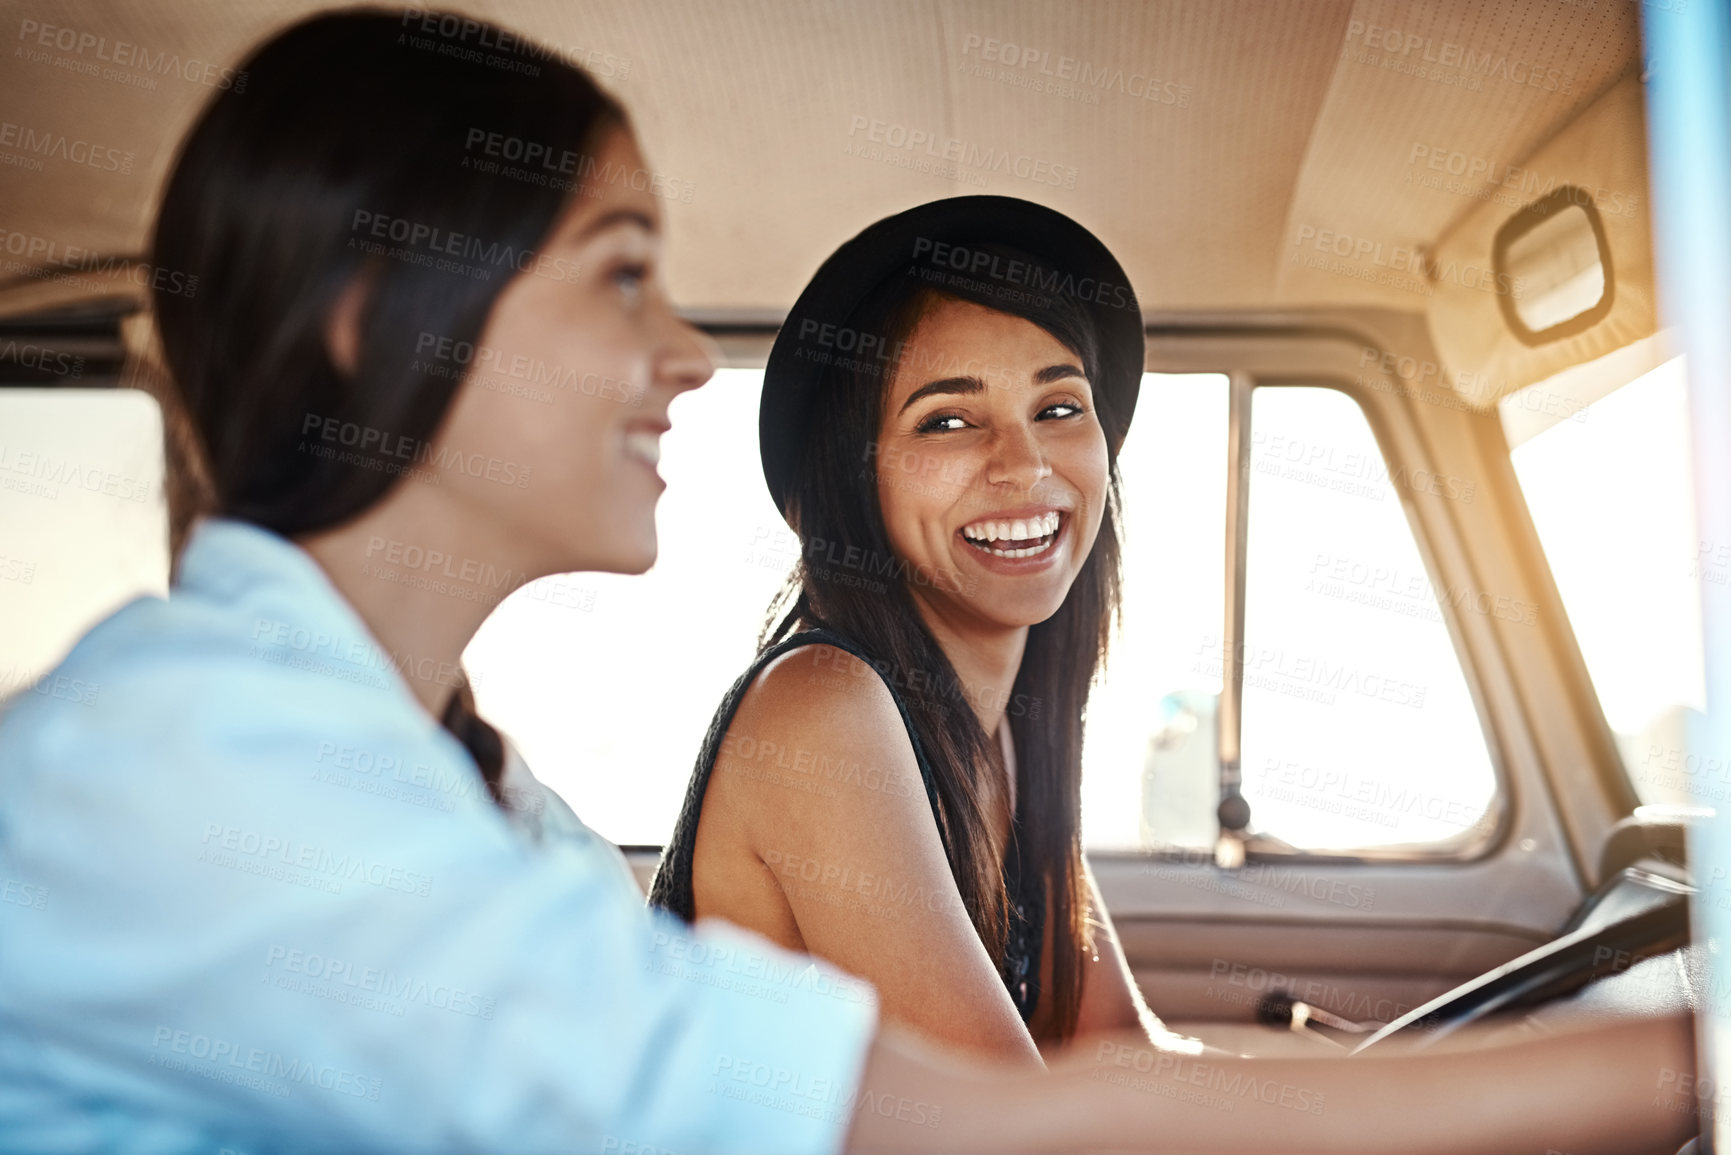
{"x": 1276, "y": 123}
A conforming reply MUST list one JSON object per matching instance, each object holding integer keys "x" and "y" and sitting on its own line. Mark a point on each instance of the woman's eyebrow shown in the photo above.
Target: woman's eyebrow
{"x": 614, "y": 219}
{"x": 1053, "y": 373}
{"x": 954, "y": 385}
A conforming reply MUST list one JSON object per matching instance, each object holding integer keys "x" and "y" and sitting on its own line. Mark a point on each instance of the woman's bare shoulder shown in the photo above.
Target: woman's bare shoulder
{"x": 818, "y": 738}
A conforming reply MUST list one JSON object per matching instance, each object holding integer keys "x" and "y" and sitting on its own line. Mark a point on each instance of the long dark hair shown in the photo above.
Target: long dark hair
{"x": 360, "y": 146}
{"x": 835, "y": 500}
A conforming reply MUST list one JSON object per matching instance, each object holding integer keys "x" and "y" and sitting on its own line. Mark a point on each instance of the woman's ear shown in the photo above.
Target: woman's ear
{"x": 343, "y": 324}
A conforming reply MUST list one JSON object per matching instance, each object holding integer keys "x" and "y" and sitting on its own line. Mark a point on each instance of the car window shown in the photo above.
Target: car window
{"x": 1359, "y": 728}
{"x": 1335, "y": 584}
{"x": 1607, "y": 477}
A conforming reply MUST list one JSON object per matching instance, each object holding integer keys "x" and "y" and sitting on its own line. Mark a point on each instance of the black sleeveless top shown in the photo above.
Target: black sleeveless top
{"x": 672, "y": 888}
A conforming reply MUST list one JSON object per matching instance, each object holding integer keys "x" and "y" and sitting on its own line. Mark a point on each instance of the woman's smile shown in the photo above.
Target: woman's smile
{"x": 642, "y": 443}
{"x": 1016, "y": 541}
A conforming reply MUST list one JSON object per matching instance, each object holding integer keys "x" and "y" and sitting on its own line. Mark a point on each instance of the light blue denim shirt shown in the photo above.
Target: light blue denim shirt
{"x": 253, "y": 898}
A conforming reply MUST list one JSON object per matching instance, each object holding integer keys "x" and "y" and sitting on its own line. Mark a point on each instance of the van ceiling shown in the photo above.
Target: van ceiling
{"x": 1207, "y": 142}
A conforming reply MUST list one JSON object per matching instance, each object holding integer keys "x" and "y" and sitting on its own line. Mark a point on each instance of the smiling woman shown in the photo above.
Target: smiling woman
{"x": 956, "y": 497}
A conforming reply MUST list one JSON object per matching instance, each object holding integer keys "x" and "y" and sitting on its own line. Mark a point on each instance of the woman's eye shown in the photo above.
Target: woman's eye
{"x": 940, "y": 423}
{"x": 630, "y": 279}
{"x": 1062, "y": 409}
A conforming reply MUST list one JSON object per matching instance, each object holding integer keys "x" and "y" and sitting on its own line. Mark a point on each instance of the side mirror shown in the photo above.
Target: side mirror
{"x": 1181, "y": 772}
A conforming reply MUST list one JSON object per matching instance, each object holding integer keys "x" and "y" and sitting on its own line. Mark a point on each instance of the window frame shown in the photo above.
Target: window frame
{"x": 1469, "y": 845}
{"x": 1529, "y": 752}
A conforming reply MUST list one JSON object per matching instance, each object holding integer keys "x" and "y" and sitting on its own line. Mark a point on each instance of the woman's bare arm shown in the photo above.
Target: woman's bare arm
{"x": 817, "y": 792}
{"x": 1611, "y": 1090}
{"x": 1110, "y": 998}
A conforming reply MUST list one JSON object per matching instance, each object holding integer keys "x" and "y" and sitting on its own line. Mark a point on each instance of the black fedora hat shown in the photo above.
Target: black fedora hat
{"x": 994, "y": 247}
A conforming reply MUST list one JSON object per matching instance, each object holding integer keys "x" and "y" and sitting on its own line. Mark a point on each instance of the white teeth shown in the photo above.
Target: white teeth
{"x": 645, "y": 446}
{"x": 982, "y": 533}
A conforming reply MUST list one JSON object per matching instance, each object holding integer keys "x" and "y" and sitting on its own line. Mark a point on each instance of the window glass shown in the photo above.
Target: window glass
{"x": 1609, "y": 487}
{"x": 1359, "y": 729}
{"x": 1148, "y": 771}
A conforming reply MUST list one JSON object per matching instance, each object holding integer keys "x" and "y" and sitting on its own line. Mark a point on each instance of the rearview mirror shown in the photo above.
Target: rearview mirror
{"x": 1553, "y": 267}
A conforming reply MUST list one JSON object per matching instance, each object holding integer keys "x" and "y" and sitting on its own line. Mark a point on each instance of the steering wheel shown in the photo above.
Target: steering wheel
{"x": 1560, "y": 967}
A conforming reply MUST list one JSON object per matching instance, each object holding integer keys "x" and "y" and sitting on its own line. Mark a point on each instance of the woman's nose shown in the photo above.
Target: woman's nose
{"x": 1017, "y": 458}
{"x": 689, "y": 358}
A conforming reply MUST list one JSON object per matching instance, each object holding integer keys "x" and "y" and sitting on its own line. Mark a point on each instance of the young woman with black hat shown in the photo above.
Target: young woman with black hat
{"x": 940, "y": 423}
